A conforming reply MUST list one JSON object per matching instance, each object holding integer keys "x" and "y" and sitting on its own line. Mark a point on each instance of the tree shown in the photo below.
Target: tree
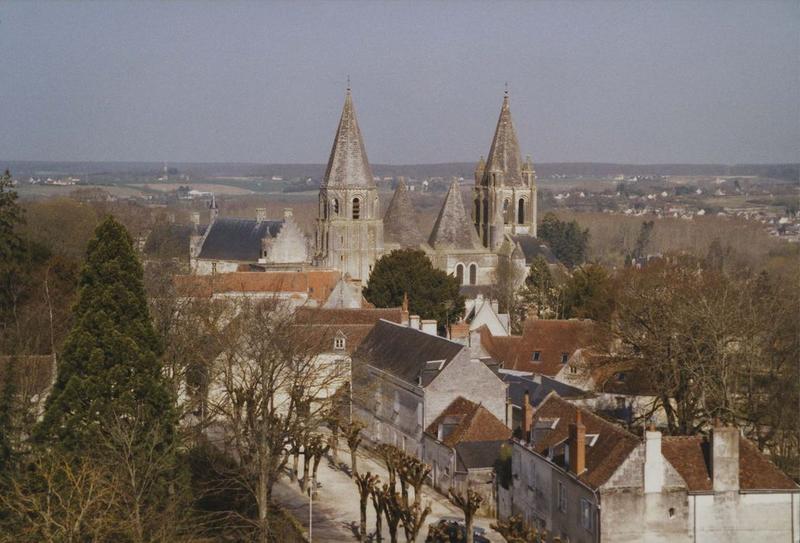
{"x": 109, "y": 366}
{"x": 413, "y": 517}
{"x": 412, "y": 472}
{"x": 366, "y": 483}
{"x": 392, "y": 505}
{"x": 566, "y": 239}
{"x": 13, "y": 252}
{"x": 513, "y": 530}
{"x": 643, "y": 240}
{"x": 352, "y": 434}
{"x": 432, "y": 294}
{"x": 539, "y": 295}
{"x": 469, "y": 503}
{"x": 375, "y": 495}
{"x": 507, "y": 280}
{"x": 589, "y": 294}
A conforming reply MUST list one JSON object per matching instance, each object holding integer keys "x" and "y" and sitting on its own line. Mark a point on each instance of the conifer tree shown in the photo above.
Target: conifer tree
{"x": 109, "y": 368}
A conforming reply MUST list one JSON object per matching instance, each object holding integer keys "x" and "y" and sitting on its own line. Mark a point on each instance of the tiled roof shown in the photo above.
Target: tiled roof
{"x": 400, "y": 223}
{"x": 404, "y": 352}
{"x": 537, "y": 389}
{"x": 317, "y": 284}
{"x": 550, "y": 338}
{"x": 348, "y": 164}
{"x": 237, "y": 239}
{"x": 689, "y": 455}
{"x": 453, "y": 229}
{"x": 472, "y": 421}
{"x": 32, "y": 374}
{"x": 611, "y": 448}
{"x": 504, "y": 155}
{"x": 338, "y": 316}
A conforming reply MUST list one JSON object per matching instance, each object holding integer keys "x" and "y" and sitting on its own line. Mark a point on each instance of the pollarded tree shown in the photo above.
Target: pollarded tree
{"x": 432, "y": 294}
{"x": 110, "y": 361}
{"x": 366, "y": 484}
{"x": 469, "y": 502}
{"x": 352, "y": 433}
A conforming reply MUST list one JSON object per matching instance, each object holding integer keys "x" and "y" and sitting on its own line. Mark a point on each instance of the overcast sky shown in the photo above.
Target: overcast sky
{"x": 633, "y": 82}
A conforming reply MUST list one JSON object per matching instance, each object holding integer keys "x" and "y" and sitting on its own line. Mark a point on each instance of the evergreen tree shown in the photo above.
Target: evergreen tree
{"x": 540, "y": 295}
{"x": 432, "y": 294}
{"x": 589, "y": 294}
{"x": 566, "y": 239}
{"x": 12, "y": 251}
{"x": 109, "y": 369}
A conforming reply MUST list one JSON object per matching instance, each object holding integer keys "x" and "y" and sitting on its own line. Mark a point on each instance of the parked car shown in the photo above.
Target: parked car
{"x": 457, "y": 531}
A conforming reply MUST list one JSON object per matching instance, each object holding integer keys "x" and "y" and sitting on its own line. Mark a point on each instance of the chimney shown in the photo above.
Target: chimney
{"x": 404, "y": 310}
{"x": 496, "y": 306}
{"x": 413, "y": 322}
{"x": 725, "y": 458}
{"x": 527, "y": 417}
{"x": 653, "y": 462}
{"x": 577, "y": 445}
{"x": 195, "y": 218}
{"x": 261, "y": 214}
{"x": 429, "y": 327}
{"x": 509, "y": 413}
{"x": 287, "y": 213}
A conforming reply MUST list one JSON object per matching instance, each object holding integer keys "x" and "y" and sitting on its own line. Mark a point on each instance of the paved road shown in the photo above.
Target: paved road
{"x": 336, "y": 509}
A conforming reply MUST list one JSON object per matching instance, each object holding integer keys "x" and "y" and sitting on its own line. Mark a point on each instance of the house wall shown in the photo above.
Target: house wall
{"x": 739, "y": 517}
{"x": 207, "y": 267}
{"x": 469, "y": 378}
{"x": 290, "y": 245}
{"x": 441, "y": 458}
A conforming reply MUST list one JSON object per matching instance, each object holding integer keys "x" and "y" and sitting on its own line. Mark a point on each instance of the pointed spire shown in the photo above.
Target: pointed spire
{"x": 348, "y": 163}
{"x": 504, "y": 156}
{"x": 400, "y": 223}
{"x": 453, "y": 228}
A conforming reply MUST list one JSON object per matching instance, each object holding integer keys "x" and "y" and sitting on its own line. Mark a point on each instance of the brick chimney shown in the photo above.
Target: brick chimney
{"x": 725, "y": 458}
{"x": 577, "y": 445}
{"x": 527, "y": 417}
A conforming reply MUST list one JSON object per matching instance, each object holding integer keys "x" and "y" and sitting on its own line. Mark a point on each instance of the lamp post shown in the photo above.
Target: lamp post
{"x": 311, "y": 508}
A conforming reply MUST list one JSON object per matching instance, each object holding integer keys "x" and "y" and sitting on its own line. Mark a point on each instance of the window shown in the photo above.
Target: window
{"x": 213, "y": 267}
{"x": 521, "y": 211}
{"x": 671, "y": 512}
{"x": 586, "y": 514}
{"x": 460, "y": 273}
{"x": 573, "y": 369}
{"x": 621, "y": 377}
{"x": 562, "y": 497}
{"x": 536, "y": 356}
{"x": 335, "y": 204}
{"x": 339, "y": 343}
{"x": 473, "y": 274}
{"x": 620, "y": 402}
{"x": 477, "y": 211}
{"x": 564, "y": 358}
{"x": 506, "y": 218}
{"x": 356, "y": 208}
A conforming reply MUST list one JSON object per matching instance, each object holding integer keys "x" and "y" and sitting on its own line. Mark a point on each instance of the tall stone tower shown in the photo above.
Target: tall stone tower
{"x": 349, "y": 234}
{"x": 504, "y": 198}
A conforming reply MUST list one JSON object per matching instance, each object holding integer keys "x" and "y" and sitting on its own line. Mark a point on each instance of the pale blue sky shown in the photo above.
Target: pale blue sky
{"x": 636, "y": 82}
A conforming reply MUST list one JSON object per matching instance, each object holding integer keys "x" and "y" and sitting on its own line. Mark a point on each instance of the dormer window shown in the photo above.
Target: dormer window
{"x": 536, "y": 356}
{"x": 339, "y": 343}
{"x": 564, "y": 358}
{"x": 573, "y": 370}
{"x": 621, "y": 377}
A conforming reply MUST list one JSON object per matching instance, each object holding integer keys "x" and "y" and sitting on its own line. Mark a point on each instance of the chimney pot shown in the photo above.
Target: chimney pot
{"x": 577, "y": 445}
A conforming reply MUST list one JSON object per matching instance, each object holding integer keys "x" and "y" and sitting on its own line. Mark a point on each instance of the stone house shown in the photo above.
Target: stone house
{"x": 462, "y": 446}
{"x": 405, "y": 377}
{"x": 586, "y": 479}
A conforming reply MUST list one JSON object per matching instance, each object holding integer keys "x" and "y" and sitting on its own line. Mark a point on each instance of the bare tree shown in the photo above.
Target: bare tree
{"x": 513, "y": 530}
{"x": 414, "y": 516}
{"x": 352, "y": 433}
{"x": 469, "y": 503}
{"x": 366, "y": 484}
{"x": 413, "y": 472}
{"x": 376, "y": 497}
{"x": 392, "y": 509}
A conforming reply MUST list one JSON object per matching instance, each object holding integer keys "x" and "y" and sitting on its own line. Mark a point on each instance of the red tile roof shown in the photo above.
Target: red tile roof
{"x": 317, "y": 284}
{"x": 472, "y": 421}
{"x": 612, "y": 447}
{"x": 550, "y": 338}
{"x": 689, "y": 456}
{"x": 355, "y": 324}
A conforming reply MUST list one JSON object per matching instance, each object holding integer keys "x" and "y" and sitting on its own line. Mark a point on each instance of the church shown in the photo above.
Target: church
{"x": 351, "y": 235}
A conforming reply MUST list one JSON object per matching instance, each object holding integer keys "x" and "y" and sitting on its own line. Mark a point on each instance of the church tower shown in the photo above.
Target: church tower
{"x": 349, "y": 233}
{"x": 504, "y": 197}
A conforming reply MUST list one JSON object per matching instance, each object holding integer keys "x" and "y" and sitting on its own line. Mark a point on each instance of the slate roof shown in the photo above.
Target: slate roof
{"x": 237, "y": 239}
{"x": 348, "y": 164}
{"x": 400, "y": 223}
{"x": 478, "y": 454}
{"x": 612, "y": 447}
{"x": 551, "y": 338}
{"x": 533, "y": 247}
{"x": 453, "y": 229}
{"x": 537, "y": 389}
{"x": 472, "y": 421}
{"x": 690, "y": 455}
{"x": 504, "y": 155}
{"x": 340, "y": 316}
{"x": 404, "y": 352}
{"x": 317, "y": 284}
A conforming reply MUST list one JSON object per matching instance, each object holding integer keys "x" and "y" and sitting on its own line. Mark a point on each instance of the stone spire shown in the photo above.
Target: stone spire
{"x": 348, "y": 165}
{"x": 400, "y": 223}
{"x": 453, "y": 229}
{"x": 504, "y": 156}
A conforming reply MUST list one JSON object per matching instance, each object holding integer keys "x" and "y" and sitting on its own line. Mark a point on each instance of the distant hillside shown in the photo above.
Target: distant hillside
{"x": 787, "y": 172}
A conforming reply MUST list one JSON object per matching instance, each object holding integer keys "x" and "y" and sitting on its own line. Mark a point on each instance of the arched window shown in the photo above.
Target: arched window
{"x": 324, "y": 204}
{"x": 477, "y": 211}
{"x": 356, "y": 208}
{"x": 506, "y": 218}
{"x": 460, "y": 273}
{"x": 521, "y": 212}
{"x": 335, "y": 204}
{"x": 473, "y": 274}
